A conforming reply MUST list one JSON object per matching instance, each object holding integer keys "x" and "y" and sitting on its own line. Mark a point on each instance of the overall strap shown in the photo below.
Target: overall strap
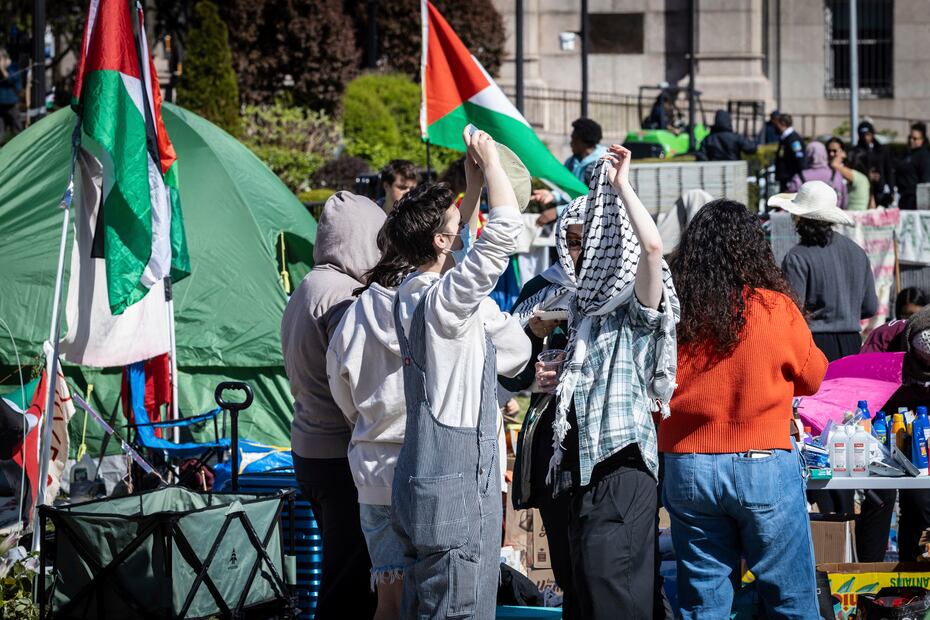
{"x": 415, "y": 346}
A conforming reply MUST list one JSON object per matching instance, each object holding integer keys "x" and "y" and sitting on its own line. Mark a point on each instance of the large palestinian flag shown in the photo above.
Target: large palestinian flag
{"x": 139, "y": 231}
{"x": 457, "y": 91}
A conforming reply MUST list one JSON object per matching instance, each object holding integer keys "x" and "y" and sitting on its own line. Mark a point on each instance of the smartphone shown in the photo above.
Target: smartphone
{"x": 471, "y": 129}
{"x": 552, "y": 315}
{"x": 759, "y": 454}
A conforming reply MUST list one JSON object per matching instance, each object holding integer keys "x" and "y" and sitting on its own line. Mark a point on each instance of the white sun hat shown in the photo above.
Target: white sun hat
{"x": 815, "y": 200}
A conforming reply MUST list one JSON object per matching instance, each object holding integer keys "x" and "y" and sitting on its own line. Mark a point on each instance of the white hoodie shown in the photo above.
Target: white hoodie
{"x": 459, "y": 312}
{"x": 365, "y": 370}
{"x": 366, "y": 379}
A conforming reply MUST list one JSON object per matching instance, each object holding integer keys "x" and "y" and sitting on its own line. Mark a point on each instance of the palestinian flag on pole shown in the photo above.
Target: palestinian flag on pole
{"x": 139, "y": 230}
{"x": 457, "y": 91}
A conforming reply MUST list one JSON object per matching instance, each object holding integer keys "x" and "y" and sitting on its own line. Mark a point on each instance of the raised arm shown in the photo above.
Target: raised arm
{"x": 474, "y": 182}
{"x": 463, "y": 287}
{"x": 648, "y": 284}
{"x": 839, "y": 166}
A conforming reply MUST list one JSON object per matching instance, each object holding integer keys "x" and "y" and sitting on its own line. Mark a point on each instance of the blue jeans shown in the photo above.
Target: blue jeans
{"x": 724, "y": 506}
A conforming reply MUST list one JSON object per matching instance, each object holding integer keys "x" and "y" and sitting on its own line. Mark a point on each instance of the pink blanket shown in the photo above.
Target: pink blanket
{"x": 873, "y": 377}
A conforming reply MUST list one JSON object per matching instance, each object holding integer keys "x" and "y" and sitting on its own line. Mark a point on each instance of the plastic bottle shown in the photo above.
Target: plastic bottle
{"x": 880, "y": 428}
{"x": 898, "y": 431}
{"x": 918, "y": 446}
{"x": 925, "y": 425}
{"x": 862, "y": 408}
{"x": 859, "y": 452}
{"x": 925, "y": 420}
{"x": 839, "y": 452}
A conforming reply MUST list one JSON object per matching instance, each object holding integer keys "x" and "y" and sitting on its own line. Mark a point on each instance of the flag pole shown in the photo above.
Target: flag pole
{"x": 429, "y": 170}
{"x": 173, "y": 360}
{"x": 51, "y": 360}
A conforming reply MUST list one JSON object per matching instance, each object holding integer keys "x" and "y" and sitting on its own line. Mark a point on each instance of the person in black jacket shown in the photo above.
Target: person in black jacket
{"x": 723, "y": 144}
{"x": 878, "y": 163}
{"x": 790, "y": 159}
{"x": 914, "y": 168}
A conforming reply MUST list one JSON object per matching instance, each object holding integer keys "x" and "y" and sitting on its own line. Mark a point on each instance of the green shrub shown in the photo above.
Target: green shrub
{"x": 208, "y": 82}
{"x": 381, "y": 117}
{"x": 294, "y": 142}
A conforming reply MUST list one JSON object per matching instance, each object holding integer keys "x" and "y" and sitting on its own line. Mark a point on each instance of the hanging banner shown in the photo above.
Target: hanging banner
{"x": 914, "y": 237}
{"x": 874, "y": 232}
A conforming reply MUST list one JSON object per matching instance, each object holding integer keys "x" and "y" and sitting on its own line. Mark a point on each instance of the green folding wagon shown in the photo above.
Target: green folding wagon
{"x": 168, "y": 553}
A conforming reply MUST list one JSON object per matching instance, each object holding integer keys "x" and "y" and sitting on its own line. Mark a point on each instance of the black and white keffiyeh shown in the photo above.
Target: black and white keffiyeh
{"x": 560, "y": 275}
{"x": 604, "y": 283}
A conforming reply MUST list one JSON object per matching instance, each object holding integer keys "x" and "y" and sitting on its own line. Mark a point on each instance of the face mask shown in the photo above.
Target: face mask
{"x": 459, "y": 255}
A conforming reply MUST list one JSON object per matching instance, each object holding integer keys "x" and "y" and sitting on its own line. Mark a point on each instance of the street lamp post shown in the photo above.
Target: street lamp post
{"x": 584, "y": 58}
{"x": 692, "y": 23}
{"x": 853, "y": 70}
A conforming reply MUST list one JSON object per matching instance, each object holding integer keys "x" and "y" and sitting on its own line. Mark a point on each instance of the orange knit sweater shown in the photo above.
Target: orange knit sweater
{"x": 743, "y": 402}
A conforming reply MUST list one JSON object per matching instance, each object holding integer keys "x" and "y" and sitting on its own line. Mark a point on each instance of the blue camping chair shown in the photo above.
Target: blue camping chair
{"x": 203, "y": 452}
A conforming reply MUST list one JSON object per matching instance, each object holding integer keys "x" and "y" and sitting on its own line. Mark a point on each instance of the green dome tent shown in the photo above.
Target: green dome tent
{"x": 241, "y": 223}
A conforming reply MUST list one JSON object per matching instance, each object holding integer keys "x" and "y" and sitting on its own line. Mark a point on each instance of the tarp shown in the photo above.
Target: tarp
{"x": 872, "y": 377}
{"x": 228, "y": 312}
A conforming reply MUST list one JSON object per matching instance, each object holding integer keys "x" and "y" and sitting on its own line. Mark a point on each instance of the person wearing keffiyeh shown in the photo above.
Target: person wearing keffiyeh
{"x": 619, "y": 370}
{"x": 550, "y": 290}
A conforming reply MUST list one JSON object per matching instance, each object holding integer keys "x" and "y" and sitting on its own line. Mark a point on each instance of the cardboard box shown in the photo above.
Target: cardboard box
{"x": 846, "y": 582}
{"x": 543, "y": 578}
{"x": 540, "y": 557}
{"x": 834, "y": 541}
{"x": 525, "y": 533}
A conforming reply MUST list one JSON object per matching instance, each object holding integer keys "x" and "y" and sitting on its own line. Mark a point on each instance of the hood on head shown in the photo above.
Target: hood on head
{"x": 722, "y": 121}
{"x": 347, "y": 234}
{"x": 816, "y": 155}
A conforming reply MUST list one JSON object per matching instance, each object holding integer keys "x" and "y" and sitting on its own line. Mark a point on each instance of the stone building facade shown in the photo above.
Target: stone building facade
{"x": 785, "y": 54}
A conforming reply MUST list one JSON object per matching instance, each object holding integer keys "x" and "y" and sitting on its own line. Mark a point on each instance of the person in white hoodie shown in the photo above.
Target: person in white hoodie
{"x": 454, "y": 341}
{"x": 366, "y": 380}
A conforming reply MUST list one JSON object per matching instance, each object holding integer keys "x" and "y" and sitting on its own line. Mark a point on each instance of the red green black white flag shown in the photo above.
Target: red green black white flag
{"x": 118, "y": 99}
{"x": 457, "y": 91}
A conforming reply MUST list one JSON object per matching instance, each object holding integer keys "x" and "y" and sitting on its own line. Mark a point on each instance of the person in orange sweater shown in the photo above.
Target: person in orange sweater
{"x": 733, "y": 478}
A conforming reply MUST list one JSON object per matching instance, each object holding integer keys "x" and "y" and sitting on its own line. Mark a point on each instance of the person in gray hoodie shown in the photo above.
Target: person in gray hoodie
{"x": 346, "y": 248}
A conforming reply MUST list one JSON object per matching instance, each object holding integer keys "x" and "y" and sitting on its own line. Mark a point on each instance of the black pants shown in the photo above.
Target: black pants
{"x": 554, "y": 512}
{"x": 612, "y": 539}
{"x": 345, "y": 588}
{"x": 9, "y": 119}
{"x": 839, "y": 344}
{"x": 915, "y": 518}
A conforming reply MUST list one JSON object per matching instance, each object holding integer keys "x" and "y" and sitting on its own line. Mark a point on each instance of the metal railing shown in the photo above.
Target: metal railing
{"x": 552, "y": 110}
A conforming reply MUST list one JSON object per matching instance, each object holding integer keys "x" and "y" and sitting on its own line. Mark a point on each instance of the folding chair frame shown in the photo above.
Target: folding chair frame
{"x": 285, "y": 606}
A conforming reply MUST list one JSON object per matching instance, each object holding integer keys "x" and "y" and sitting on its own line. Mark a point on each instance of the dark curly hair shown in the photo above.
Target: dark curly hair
{"x": 416, "y": 217}
{"x": 814, "y": 232}
{"x": 587, "y": 130}
{"x": 390, "y": 270}
{"x": 722, "y": 260}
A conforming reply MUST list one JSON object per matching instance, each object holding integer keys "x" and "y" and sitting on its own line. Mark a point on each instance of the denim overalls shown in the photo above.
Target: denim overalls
{"x": 447, "y": 494}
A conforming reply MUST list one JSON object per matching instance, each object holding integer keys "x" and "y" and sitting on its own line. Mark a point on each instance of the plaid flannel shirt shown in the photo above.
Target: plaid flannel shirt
{"x": 618, "y": 411}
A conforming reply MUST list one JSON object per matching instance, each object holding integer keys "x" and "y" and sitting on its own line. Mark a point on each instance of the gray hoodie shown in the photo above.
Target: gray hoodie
{"x": 346, "y": 247}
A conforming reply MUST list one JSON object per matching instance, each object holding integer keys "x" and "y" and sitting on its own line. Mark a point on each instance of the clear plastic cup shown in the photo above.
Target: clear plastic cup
{"x": 552, "y": 359}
